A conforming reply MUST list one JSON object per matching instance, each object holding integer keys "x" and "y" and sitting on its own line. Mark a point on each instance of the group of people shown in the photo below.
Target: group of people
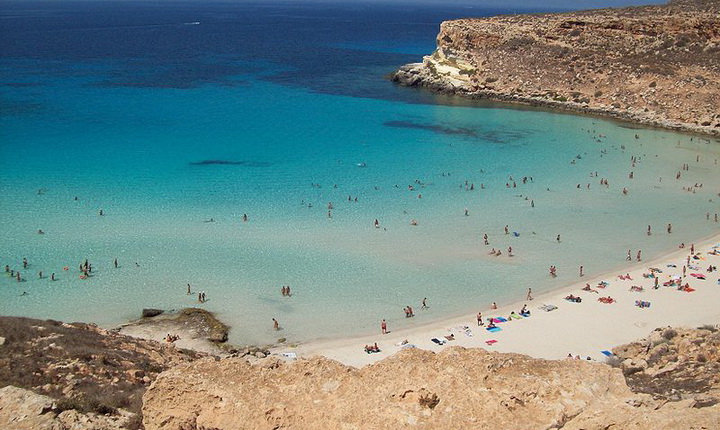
{"x": 170, "y": 338}
{"x": 285, "y": 291}
{"x": 409, "y": 312}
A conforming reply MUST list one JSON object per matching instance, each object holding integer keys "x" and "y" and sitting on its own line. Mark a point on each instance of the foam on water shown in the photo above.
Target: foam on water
{"x": 162, "y": 161}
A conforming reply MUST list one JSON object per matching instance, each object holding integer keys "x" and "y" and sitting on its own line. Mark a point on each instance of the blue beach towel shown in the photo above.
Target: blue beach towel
{"x": 493, "y": 329}
{"x": 607, "y": 353}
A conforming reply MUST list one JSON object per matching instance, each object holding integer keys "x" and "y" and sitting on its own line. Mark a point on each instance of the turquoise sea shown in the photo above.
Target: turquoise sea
{"x": 166, "y": 116}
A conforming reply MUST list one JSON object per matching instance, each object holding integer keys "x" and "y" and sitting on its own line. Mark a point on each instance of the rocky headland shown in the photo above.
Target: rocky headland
{"x": 77, "y": 376}
{"x": 656, "y": 65}
{"x": 456, "y": 388}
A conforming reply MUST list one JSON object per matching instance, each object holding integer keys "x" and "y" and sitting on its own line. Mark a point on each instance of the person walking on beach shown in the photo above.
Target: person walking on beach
{"x": 629, "y": 256}
{"x": 581, "y": 272}
{"x": 529, "y": 294}
{"x": 383, "y": 327}
{"x": 639, "y": 257}
{"x": 276, "y": 324}
{"x": 424, "y": 304}
{"x": 479, "y": 319}
{"x": 485, "y": 238}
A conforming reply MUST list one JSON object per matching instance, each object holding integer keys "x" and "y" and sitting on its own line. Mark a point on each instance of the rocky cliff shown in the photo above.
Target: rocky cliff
{"x": 77, "y": 376}
{"x": 658, "y": 65}
{"x": 456, "y": 388}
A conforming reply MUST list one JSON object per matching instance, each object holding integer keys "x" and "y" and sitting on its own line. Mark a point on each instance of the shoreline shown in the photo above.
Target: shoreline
{"x": 413, "y": 75}
{"x": 604, "y": 326}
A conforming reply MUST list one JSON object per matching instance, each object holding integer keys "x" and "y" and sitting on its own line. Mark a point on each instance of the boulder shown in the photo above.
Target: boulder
{"x": 150, "y": 312}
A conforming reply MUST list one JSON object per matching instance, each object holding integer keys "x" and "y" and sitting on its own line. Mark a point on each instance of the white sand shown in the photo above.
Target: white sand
{"x": 583, "y": 329}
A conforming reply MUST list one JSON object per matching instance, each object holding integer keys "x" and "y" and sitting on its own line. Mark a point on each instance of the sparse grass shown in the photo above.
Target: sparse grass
{"x": 50, "y": 354}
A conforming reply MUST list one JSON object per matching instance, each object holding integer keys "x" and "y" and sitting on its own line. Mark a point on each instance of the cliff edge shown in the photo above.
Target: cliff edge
{"x": 456, "y": 388}
{"x": 657, "y": 65}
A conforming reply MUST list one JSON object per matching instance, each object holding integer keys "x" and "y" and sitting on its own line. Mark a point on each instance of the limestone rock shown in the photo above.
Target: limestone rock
{"x": 21, "y": 409}
{"x": 657, "y": 65}
{"x": 457, "y": 388}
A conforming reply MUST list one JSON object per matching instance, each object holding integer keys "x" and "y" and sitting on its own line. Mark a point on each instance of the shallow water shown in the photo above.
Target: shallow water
{"x": 164, "y": 139}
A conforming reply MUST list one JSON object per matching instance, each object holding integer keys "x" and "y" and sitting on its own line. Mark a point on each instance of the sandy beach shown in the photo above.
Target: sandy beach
{"x": 585, "y": 328}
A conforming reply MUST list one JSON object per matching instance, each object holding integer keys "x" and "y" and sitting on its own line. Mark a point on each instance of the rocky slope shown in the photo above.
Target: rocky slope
{"x": 77, "y": 367}
{"x": 658, "y": 65}
{"x": 456, "y": 388}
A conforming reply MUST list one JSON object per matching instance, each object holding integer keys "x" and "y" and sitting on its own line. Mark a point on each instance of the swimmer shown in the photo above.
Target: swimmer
{"x": 377, "y": 223}
{"x": 40, "y": 231}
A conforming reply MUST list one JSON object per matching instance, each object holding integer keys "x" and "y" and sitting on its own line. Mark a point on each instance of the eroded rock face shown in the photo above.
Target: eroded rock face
{"x": 658, "y": 65}
{"x": 22, "y": 409}
{"x": 457, "y": 388}
{"x": 675, "y": 364}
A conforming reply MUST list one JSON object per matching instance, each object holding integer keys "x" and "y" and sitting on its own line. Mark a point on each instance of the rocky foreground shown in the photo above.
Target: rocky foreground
{"x": 657, "y": 65}
{"x": 76, "y": 376}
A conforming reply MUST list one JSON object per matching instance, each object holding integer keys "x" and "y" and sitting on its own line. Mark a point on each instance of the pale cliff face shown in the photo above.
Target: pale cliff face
{"x": 455, "y": 389}
{"x": 661, "y": 63}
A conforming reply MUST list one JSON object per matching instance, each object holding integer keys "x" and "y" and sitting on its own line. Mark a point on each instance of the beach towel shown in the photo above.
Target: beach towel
{"x": 548, "y": 308}
{"x": 516, "y": 317}
{"x": 500, "y": 319}
{"x": 526, "y": 315}
{"x": 288, "y": 355}
{"x": 491, "y": 341}
{"x": 698, "y": 276}
{"x": 438, "y": 341}
{"x": 493, "y": 329}
{"x": 408, "y": 345}
{"x": 607, "y": 353}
